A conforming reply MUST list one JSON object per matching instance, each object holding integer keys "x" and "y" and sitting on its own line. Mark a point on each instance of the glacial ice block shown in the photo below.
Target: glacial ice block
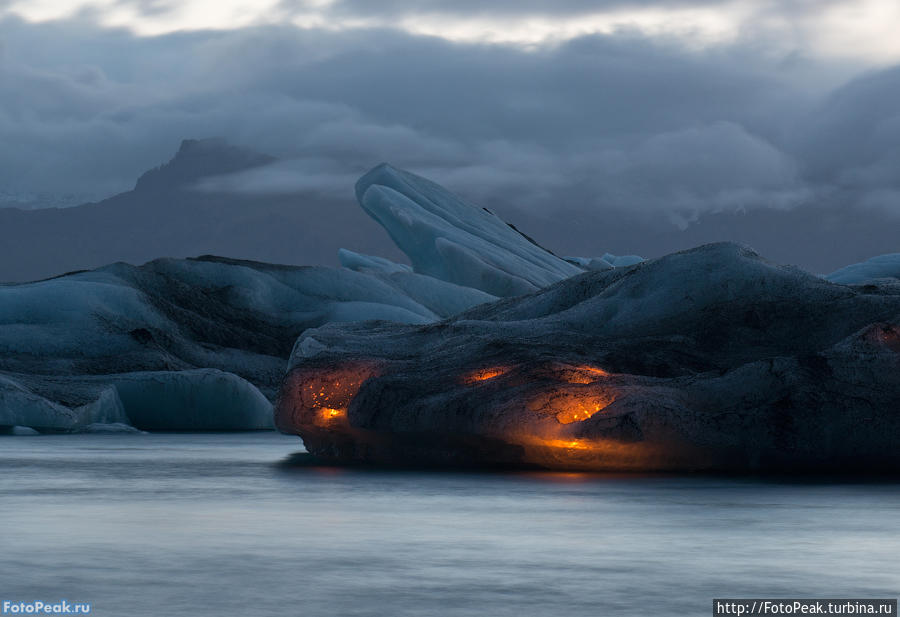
{"x": 711, "y": 358}
{"x": 880, "y": 267}
{"x": 194, "y": 400}
{"x": 451, "y": 240}
{"x": 20, "y": 406}
{"x": 190, "y": 400}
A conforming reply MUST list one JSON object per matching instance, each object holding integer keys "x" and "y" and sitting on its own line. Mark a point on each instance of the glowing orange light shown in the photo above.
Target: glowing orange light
{"x": 572, "y": 403}
{"x": 484, "y": 374}
{"x": 583, "y": 374}
{"x": 568, "y": 444}
{"x": 580, "y": 409}
{"x": 324, "y": 394}
{"x": 590, "y": 454}
{"x": 328, "y": 413}
{"x": 331, "y": 392}
{"x": 592, "y": 369}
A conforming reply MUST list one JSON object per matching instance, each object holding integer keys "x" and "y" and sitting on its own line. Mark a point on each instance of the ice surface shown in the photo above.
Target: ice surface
{"x": 22, "y": 431}
{"x": 620, "y": 261}
{"x": 369, "y": 263}
{"x": 454, "y": 241}
{"x": 71, "y": 314}
{"x": 20, "y": 406}
{"x": 883, "y": 266}
{"x": 194, "y": 400}
{"x": 113, "y": 428}
{"x": 590, "y": 263}
{"x": 190, "y": 400}
{"x": 443, "y": 299}
{"x": 606, "y": 262}
{"x": 183, "y": 313}
{"x": 64, "y": 339}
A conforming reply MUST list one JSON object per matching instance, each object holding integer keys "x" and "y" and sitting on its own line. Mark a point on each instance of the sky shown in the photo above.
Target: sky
{"x": 670, "y": 108}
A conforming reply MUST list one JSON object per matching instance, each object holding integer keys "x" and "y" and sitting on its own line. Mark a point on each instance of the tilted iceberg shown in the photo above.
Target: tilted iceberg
{"x": 449, "y": 239}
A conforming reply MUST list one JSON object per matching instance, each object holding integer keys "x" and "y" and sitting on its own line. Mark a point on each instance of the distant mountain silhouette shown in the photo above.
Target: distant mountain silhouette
{"x": 165, "y": 216}
{"x": 200, "y": 158}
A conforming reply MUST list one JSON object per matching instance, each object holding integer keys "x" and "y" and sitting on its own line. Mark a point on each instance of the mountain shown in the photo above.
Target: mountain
{"x": 166, "y": 216}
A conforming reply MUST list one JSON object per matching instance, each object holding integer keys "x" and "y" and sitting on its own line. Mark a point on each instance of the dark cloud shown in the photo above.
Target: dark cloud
{"x": 617, "y": 121}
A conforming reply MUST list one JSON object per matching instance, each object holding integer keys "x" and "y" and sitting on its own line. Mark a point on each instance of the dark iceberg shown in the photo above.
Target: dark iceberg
{"x": 711, "y": 358}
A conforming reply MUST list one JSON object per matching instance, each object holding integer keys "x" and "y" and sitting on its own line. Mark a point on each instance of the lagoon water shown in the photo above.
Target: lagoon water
{"x": 227, "y": 524}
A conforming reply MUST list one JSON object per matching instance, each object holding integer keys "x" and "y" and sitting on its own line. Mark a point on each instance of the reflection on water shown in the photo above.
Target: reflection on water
{"x": 236, "y": 525}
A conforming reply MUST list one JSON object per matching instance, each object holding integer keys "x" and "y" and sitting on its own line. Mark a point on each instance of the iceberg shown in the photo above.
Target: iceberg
{"x": 189, "y": 400}
{"x": 18, "y": 431}
{"x": 165, "y": 320}
{"x": 442, "y": 298}
{"x": 621, "y": 261}
{"x": 21, "y": 406}
{"x": 173, "y": 314}
{"x": 194, "y": 400}
{"x": 369, "y": 263}
{"x": 881, "y": 267}
{"x": 711, "y": 358}
{"x": 451, "y": 240}
{"x": 606, "y": 262}
{"x": 112, "y": 428}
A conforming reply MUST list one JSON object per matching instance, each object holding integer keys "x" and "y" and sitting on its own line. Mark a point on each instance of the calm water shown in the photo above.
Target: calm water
{"x": 219, "y": 525}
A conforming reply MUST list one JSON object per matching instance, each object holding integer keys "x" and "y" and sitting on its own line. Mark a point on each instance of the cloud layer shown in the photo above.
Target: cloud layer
{"x": 616, "y": 121}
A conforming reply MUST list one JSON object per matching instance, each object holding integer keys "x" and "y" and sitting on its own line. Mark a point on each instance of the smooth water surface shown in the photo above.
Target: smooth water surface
{"x": 188, "y": 524}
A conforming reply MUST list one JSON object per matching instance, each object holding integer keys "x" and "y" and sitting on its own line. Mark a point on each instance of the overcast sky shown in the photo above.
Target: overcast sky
{"x": 669, "y": 106}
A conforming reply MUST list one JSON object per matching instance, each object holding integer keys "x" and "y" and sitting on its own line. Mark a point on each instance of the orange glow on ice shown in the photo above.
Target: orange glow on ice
{"x": 484, "y": 374}
{"x": 583, "y": 374}
{"x": 325, "y": 394}
{"x": 572, "y": 403}
{"x": 332, "y": 393}
{"x": 328, "y": 413}
{"x": 580, "y": 409}
{"x": 569, "y": 444}
{"x": 591, "y": 454}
